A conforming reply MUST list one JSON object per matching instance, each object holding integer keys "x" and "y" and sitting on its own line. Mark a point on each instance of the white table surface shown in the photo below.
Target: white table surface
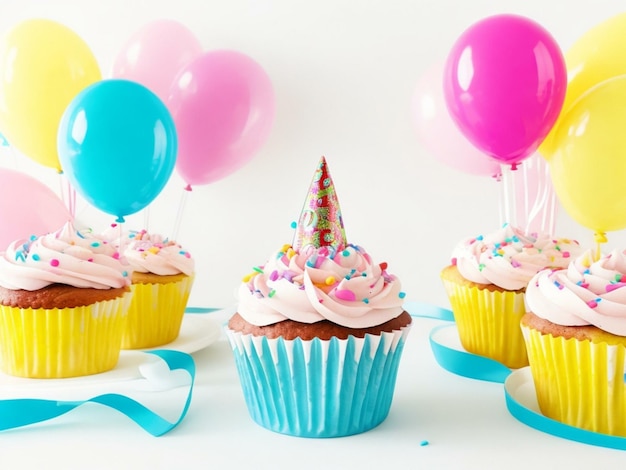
{"x": 465, "y": 422}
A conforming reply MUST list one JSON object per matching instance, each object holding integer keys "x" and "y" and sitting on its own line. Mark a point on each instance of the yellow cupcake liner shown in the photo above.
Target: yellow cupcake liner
{"x": 489, "y": 322}
{"x": 64, "y": 342}
{"x": 156, "y": 313}
{"x": 579, "y": 383}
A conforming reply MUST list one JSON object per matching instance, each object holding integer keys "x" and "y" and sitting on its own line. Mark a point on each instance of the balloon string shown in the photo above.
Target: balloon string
{"x": 526, "y": 216}
{"x": 508, "y": 193}
{"x": 181, "y": 209}
{"x": 541, "y": 196}
{"x": 600, "y": 238}
{"x": 72, "y": 198}
{"x": 146, "y": 219}
{"x": 552, "y": 203}
{"x": 68, "y": 194}
{"x": 500, "y": 201}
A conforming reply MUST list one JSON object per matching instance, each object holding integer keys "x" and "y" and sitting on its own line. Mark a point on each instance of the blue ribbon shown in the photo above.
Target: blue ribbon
{"x": 466, "y": 364}
{"x": 453, "y": 360}
{"x": 482, "y": 368}
{"x": 426, "y": 310}
{"x": 24, "y": 411}
{"x": 201, "y": 309}
{"x": 550, "y": 426}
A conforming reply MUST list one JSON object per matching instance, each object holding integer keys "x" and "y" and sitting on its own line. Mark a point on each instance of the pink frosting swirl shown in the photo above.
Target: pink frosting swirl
{"x": 67, "y": 256}
{"x": 587, "y": 292}
{"x": 151, "y": 253}
{"x": 346, "y": 288}
{"x": 509, "y": 258}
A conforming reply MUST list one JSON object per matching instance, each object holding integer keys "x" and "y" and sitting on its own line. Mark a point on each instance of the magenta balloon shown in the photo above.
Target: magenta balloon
{"x": 223, "y": 106}
{"x": 27, "y": 207}
{"x": 504, "y": 85}
{"x": 155, "y": 54}
{"x": 438, "y": 133}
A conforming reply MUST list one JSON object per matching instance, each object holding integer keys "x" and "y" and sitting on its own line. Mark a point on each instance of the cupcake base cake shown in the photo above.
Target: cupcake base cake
{"x": 156, "y": 312}
{"x": 63, "y": 303}
{"x": 305, "y": 382}
{"x": 578, "y": 372}
{"x": 54, "y": 340}
{"x": 486, "y": 284}
{"x": 575, "y": 335}
{"x": 162, "y": 277}
{"x": 487, "y": 318}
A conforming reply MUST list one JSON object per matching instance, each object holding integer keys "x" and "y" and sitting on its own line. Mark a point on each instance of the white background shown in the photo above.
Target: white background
{"x": 344, "y": 74}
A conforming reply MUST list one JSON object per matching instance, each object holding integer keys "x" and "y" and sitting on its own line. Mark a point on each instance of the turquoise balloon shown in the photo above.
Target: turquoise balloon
{"x": 117, "y": 146}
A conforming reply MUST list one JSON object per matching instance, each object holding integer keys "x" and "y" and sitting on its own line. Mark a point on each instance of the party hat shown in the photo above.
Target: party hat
{"x": 320, "y": 222}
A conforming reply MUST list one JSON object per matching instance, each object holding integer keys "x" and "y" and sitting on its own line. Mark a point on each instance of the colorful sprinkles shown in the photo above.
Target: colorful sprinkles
{"x": 331, "y": 285}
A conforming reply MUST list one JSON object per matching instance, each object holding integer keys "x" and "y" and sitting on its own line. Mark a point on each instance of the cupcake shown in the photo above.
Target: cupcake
{"x": 162, "y": 276}
{"x": 63, "y": 303}
{"x": 575, "y": 333}
{"x": 319, "y": 329}
{"x": 486, "y": 282}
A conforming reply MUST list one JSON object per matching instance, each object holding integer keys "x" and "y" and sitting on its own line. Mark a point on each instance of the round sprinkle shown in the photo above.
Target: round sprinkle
{"x": 125, "y": 273}
{"x": 366, "y": 301}
{"x": 383, "y": 266}
{"x": 35, "y": 257}
{"x": 294, "y": 224}
{"x": 345, "y": 253}
{"x": 95, "y": 244}
{"x": 33, "y": 238}
{"x": 116, "y": 255}
{"x": 402, "y": 295}
{"x": 54, "y": 262}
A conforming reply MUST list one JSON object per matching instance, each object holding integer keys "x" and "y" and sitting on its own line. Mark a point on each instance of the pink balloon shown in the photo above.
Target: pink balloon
{"x": 504, "y": 85}
{"x": 27, "y": 207}
{"x": 155, "y": 54}
{"x": 223, "y": 106}
{"x": 438, "y": 133}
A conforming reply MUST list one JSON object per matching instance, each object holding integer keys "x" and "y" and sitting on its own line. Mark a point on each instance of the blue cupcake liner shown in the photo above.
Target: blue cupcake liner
{"x": 318, "y": 388}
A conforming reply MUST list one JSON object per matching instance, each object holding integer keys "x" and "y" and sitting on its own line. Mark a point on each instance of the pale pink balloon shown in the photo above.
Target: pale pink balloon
{"x": 155, "y": 54}
{"x": 222, "y": 103}
{"x": 438, "y": 133}
{"x": 27, "y": 207}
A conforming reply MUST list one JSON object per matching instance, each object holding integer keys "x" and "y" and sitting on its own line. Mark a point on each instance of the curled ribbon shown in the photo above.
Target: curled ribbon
{"x": 477, "y": 367}
{"x": 19, "y": 412}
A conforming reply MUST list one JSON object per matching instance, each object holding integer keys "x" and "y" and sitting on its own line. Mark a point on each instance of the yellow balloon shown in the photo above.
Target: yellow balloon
{"x": 596, "y": 56}
{"x": 588, "y": 168}
{"x": 43, "y": 66}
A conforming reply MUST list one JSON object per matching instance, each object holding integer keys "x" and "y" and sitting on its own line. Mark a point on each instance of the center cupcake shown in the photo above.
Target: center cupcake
{"x": 319, "y": 329}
